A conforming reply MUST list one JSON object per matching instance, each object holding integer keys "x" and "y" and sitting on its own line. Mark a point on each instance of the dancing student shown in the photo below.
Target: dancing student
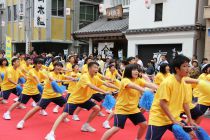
{"x": 81, "y": 97}
{"x": 10, "y": 80}
{"x": 85, "y": 66}
{"x": 48, "y": 95}
{"x": 74, "y": 74}
{"x": 127, "y": 103}
{"x": 30, "y": 89}
{"x": 163, "y": 74}
{"x": 170, "y": 101}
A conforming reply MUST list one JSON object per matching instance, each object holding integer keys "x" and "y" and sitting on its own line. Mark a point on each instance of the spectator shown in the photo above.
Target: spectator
{"x": 150, "y": 69}
{"x": 100, "y": 62}
{"x": 204, "y": 61}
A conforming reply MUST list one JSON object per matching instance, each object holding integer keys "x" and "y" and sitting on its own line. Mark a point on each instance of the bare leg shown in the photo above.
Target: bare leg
{"x": 31, "y": 113}
{"x": 77, "y": 111}
{"x": 109, "y": 133}
{"x": 58, "y": 121}
{"x": 141, "y": 130}
{"x": 95, "y": 109}
{"x": 111, "y": 115}
{"x": 13, "y": 106}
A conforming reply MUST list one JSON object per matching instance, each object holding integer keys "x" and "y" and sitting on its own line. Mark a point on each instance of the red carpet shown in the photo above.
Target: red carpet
{"x": 38, "y": 126}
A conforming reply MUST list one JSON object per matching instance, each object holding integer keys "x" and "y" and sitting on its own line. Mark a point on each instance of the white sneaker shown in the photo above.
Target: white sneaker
{"x": 106, "y": 125}
{"x": 101, "y": 114}
{"x": 207, "y": 113}
{"x": 16, "y": 99}
{"x": 66, "y": 120}
{"x": 33, "y": 104}
{"x": 109, "y": 111}
{"x": 50, "y": 136}
{"x": 21, "y": 106}
{"x": 75, "y": 118}
{"x": 20, "y": 125}
{"x": 7, "y": 116}
{"x": 87, "y": 128}
{"x": 43, "y": 112}
{"x": 55, "y": 109}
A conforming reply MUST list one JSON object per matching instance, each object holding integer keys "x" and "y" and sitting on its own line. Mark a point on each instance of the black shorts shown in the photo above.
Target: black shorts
{"x": 23, "y": 98}
{"x": 43, "y": 103}
{"x": 70, "y": 108}
{"x": 67, "y": 96}
{"x": 6, "y": 93}
{"x": 156, "y": 132}
{"x": 98, "y": 97}
{"x": 120, "y": 119}
{"x": 198, "y": 111}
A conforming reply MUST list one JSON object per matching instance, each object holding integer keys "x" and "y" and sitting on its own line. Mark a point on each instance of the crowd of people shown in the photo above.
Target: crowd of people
{"x": 181, "y": 90}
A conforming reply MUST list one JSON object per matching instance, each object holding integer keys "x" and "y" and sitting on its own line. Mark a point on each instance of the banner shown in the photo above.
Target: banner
{"x": 40, "y": 13}
{"x": 21, "y": 8}
{"x": 8, "y": 51}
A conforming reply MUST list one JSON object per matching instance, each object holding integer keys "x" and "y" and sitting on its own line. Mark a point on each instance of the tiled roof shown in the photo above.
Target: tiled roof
{"x": 166, "y": 29}
{"x": 103, "y": 25}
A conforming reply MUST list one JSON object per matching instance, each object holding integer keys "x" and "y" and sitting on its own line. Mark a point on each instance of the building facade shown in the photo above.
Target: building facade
{"x": 166, "y": 26}
{"x": 55, "y": 36}
{"x": 207, "y": 41}
{"x": 106, "y": 36}
{"x": 2, "y": 24}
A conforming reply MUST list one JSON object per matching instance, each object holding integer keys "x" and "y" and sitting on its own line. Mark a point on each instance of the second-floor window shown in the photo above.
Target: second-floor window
{"x": 9, "y": 13}
{"x": 158, "y": 11}
{"x": 14, "y": 12}
{"x": 58, "y": 8}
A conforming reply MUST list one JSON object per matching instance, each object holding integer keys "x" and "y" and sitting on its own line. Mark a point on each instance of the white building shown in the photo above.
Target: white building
{"x": 167, "y": 25}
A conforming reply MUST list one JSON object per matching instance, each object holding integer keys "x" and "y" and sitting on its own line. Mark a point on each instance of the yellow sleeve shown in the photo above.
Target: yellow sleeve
{"x": 85, "y": 80}
{"x": 125, "y": 82}
{"x": 99, "y": 81}
{"x": 100, "y": 75}
{"x": 208, "y": 77}
{"x": 204, "y": 87}
{"x": 158, "y": 79}
{"x": 141, "y": 82}
{"x": 164, "y": 92}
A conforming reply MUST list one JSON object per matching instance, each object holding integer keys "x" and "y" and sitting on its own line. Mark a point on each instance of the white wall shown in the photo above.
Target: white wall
{"x": 184, "y": 38}
{"x": 175, "y": 13}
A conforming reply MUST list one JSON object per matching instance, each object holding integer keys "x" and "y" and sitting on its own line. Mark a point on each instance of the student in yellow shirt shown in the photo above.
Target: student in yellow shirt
{"x": 163, "y": 74}
{"x": 85, "y": 66}
{"x": 30, "y": 90}
{"x": 48, "y": 95}
{"x": 81, "y": 97}
{"x": 3, "y": 67}
{"x": 127, "y": 103}
{"x": 169, "y": 102}
{"x": 27, "y": 66}
{"x": 74, "y": 74}
{"x": 10, "y": 81}
{"x": 22, "y": 59}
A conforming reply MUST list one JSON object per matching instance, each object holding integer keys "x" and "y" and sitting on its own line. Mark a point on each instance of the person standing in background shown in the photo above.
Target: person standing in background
{"x": 138, "y": 61}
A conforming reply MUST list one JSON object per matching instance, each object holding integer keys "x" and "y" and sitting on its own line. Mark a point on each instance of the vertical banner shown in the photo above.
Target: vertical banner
{"x": 21, "y": 8}
{"x": 40, "y": 13}
{"x": 8, "y": 48}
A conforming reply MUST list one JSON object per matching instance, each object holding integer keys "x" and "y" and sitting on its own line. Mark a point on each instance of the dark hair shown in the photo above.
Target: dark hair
{"x": 163, "y": 68}
{"x": 38, "y": 61}
{"x": 27, "y": 58}
{"x": 129, "y": 59}
{"x": 92, "y": 63}
{"x": 88, "y": 58}
{"x": 70, "y": 57}
{"x": 73, "y": 66}
{"x": 128, "y": 70}
{"x": 2, "y": 60}
{"x": 111, "y": 65}
{"x": 58, "y": 64}
{"x": 178, "y": 61}
{"x": 204, "y": 59}
{"x": 21, "y": 53}
{"x": 138, "y": 56}
{"x": 14, "y": 60}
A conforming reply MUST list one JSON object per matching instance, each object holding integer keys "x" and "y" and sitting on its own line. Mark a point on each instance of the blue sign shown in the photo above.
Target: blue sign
{"x": 208, "y": 32}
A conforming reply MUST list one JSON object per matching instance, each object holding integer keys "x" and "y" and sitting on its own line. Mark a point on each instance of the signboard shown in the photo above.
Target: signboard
{"x": 68, "y": 11}
{"x": 209, "y": 32}
{"x": 40, "y": 13}
{"x": 21, "y": 8}
{"x": 114, "y": 12}
{"x": 8, "y": 51}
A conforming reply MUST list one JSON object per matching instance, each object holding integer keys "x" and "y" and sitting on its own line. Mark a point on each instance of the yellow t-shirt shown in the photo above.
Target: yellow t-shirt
{"x": 22, "y": 62}
{"x": 196, "y": 92}
{"x": 113, "y": 76}
{"x": 128, "y": 98}
{"x": 51, "y": 67}
{"x": 30, "y": 87}
{"x": 204, "y": 90}
{"x": 2, "y": 71}
{"x": 84, "y": 68}
{"x": 48, "y": 91}
{"x": 14, "y": 75}
{"x": 174, "y": 93}
{"x": 73, "y": 84}
{"x": 25, "y": 68}
{"x": 208, "y": 77}
{"x": 82, "y": 91}
{"x": 160, "y": 77}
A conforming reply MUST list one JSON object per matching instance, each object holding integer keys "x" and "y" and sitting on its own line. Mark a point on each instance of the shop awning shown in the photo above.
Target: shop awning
{"x": 103, "y": 28}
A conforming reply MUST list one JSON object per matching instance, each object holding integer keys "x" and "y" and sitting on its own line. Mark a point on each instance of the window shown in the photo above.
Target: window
{"x": 158, "y": 12}
{"x": 9, "y": 13}
{"x": 14, "y": 12}
{"x": 118, "y": 2}
{"x": 58, "y": 8}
